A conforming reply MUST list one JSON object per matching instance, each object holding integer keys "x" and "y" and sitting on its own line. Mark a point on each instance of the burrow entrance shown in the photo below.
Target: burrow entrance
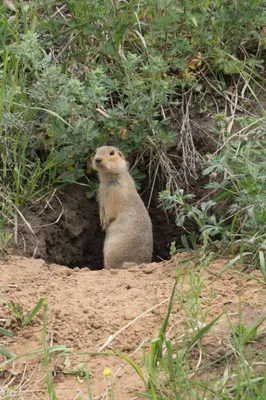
{"x": 67, "y": 230}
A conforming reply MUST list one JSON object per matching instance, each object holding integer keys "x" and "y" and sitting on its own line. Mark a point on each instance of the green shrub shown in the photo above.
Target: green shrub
{"x": 236, "y": 215}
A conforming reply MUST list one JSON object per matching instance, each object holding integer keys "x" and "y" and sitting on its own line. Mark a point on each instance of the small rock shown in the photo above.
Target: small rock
{"x": 148, "y": 270}
{"x": 129, "y": 316}
{"x": 96, "y": 325}
{"x": 27, "y": 334}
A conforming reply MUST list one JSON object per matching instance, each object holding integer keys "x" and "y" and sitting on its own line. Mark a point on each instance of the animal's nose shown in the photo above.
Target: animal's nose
{"x": 98, "y": 160}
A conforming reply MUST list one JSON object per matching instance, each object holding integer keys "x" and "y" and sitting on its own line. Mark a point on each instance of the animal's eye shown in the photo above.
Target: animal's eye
{"x": 112, "y": 153}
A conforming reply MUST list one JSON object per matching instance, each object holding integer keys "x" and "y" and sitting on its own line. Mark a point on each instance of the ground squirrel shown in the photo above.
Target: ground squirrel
{"x": 122, "y": 212}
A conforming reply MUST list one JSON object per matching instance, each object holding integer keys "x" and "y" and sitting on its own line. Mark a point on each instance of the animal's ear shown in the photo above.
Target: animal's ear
{"x": 121, "y": 155}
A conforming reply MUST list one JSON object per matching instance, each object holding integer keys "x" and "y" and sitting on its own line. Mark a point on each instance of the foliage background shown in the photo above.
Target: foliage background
{"x": 79, "y": 74}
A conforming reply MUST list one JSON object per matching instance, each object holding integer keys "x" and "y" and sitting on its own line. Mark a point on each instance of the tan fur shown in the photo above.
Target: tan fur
{"x": 122, "y": 212}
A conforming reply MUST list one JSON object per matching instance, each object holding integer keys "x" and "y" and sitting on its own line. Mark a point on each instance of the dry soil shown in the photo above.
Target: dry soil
{"x": 85, "y": 308}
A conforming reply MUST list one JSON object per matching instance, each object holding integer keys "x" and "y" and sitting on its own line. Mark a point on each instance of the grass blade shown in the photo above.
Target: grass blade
{"x": 262, "y": 264}
{"x": 203, "y": 331}
{"x": 251, "y": 333}
{"x": 230, "y": 264}
{"x": 34, "y": 312}
{"x": 249, "y": 276}
{"x": 6, "y": 333}
{"x": 6, "y": 353}
{"x": 63, "y": 349}
{"x": 48, "y": 378}
{"x": 133, "y": 365}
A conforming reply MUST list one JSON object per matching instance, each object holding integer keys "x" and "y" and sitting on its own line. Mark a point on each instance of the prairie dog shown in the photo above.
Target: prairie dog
{"x": 123, "y": 214}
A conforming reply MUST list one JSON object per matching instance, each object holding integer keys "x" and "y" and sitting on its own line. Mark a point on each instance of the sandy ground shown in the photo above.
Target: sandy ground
{"x": 86, "y": 307}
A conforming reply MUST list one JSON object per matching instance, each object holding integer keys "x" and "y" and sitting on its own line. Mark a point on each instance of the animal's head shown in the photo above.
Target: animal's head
{"x": 109, "y": 159}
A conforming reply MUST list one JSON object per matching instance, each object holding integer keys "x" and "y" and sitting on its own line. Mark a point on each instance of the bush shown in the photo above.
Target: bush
{"x": 236, "y": 216}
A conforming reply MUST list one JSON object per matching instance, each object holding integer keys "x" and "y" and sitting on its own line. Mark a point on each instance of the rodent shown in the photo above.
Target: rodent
{"x": 123, "y": 215}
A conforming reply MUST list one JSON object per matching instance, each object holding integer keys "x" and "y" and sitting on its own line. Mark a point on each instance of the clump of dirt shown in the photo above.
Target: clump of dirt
{"x": 89, "y": 311}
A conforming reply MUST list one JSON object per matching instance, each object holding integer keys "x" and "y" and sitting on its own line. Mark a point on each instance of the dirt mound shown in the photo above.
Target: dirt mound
{"x": 86, "y": 307}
